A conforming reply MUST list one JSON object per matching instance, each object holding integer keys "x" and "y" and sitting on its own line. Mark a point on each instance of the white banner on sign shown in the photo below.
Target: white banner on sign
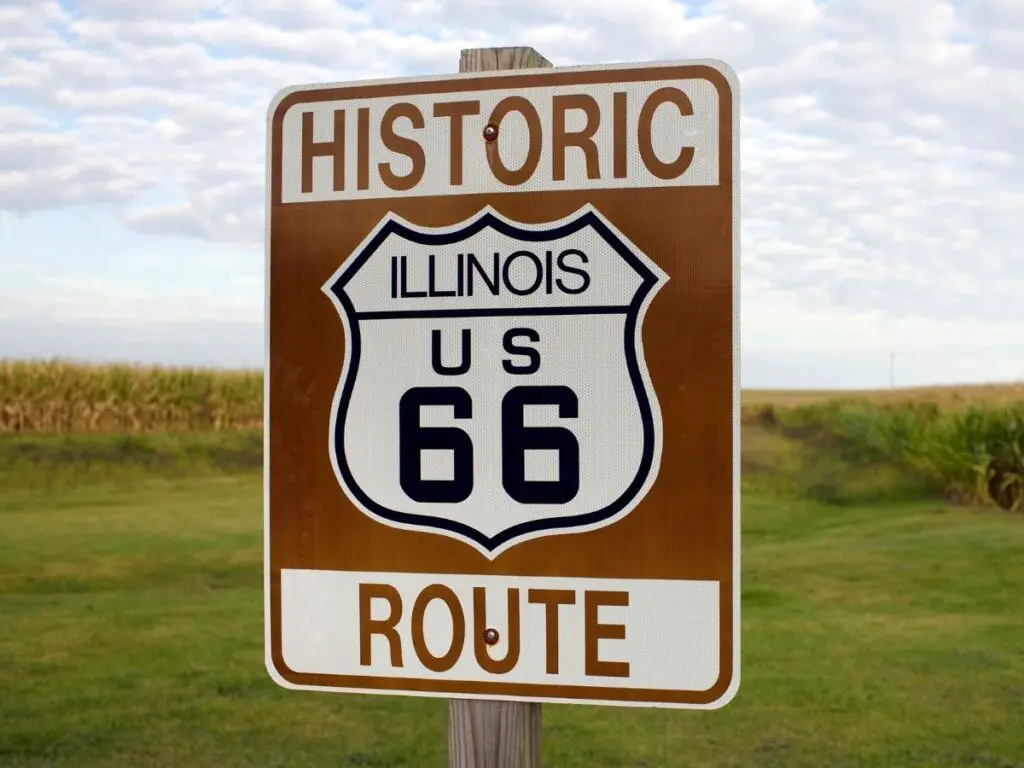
{"x": 646, "y": 634}
{"x": 660, "y": 124}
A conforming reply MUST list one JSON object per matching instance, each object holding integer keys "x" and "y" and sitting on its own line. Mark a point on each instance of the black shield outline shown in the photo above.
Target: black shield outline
{"x": 585, "y": 217}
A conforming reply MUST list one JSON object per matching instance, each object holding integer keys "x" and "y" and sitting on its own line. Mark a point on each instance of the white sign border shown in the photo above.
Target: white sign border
{"x": 730, "y": 75}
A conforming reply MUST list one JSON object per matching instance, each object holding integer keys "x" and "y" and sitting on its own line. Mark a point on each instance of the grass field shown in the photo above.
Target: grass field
{"x": 946, "y": 396}
{"x": 881, "y": 625}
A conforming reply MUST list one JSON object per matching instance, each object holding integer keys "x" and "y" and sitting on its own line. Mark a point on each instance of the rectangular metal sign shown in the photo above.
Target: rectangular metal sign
{"x": 502, "y": 386}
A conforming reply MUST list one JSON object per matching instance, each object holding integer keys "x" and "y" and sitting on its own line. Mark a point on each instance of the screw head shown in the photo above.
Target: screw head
{"x": 490, "y": 132}
{"x": 490, "y": 636}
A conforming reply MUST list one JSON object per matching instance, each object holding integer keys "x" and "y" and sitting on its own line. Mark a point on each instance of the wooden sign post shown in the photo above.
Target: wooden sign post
{"x": 481, "y": 733}
{"x": 502, "y": 391}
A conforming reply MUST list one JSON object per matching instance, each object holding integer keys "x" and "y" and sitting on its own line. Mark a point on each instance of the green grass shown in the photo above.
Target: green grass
{"x": 880, "y": 627}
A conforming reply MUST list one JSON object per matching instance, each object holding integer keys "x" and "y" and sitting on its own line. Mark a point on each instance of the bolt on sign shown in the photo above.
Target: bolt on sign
{"x": 502, "y": 386}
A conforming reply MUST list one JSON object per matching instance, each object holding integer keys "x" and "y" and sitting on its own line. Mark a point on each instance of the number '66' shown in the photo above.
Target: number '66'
{"x": 516, "y": 439}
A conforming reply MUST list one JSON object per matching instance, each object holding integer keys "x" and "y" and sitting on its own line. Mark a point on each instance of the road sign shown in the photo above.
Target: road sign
{"x": 502, "y": 386}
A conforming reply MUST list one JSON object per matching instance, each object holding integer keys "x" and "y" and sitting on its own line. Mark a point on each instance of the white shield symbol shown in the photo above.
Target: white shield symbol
{"x": 494, "y": 388}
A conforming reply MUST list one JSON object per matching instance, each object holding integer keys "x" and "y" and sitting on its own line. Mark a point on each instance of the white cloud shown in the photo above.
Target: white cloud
{"x": 881, "y": 139}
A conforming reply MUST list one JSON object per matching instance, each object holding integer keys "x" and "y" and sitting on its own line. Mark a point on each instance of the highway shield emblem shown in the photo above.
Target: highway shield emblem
{"x": 493, "y": 387}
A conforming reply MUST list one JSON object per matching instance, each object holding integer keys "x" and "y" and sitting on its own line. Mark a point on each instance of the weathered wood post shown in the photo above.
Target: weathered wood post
{"x": 495, "y": 734}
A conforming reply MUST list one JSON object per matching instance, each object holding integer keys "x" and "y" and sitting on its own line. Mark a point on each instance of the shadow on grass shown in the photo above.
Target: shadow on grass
{"x": 31, "y": 460}
{"x": 201, "y": 572}
{"x": 805, "y": 460}
{"x": 809, "y": 462}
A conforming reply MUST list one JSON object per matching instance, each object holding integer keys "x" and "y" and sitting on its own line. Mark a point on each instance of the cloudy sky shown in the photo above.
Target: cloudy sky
{"x": 882, "y": 179}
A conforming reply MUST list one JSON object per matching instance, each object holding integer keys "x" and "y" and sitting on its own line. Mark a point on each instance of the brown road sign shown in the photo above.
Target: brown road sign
{"x": 502, "y": 386}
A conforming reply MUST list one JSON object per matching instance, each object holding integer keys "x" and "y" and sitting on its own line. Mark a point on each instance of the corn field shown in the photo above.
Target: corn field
{"x": 971, "y": 446}
{"x": 974, "y": 453}
{"x": 60, "y": 397}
